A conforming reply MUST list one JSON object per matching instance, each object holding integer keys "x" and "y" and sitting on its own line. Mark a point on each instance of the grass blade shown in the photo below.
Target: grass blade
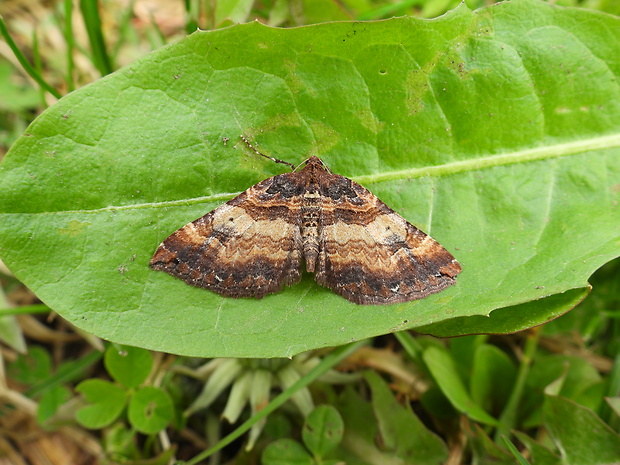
{"x": 68, "y": 31}
{"x": 24, "y": 62}
{"x": 90, "y": 13}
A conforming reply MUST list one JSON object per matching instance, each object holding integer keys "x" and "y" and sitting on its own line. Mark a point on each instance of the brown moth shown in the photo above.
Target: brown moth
{"x": 356, "y": 245}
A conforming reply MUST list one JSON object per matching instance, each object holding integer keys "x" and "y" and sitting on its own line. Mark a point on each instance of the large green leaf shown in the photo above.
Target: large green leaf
{"x": 497, "y": 131}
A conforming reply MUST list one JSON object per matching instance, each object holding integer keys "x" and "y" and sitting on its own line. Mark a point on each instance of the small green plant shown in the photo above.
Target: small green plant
{"x": 322, "y": 433}
{"x": 149, "y": 408}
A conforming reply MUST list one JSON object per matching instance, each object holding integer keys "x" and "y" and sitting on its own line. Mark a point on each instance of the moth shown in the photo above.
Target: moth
{"x": 256, "y": 243}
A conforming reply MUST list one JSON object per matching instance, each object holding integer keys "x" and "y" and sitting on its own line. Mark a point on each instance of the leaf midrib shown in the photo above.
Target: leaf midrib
{"x": 475, "y": 164}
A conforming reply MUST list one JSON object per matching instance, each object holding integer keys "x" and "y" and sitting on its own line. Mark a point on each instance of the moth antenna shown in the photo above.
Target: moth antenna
{"x": 321, "y": 161}
{"x": 247, "y": 142}
{"x": 297, "y": 167}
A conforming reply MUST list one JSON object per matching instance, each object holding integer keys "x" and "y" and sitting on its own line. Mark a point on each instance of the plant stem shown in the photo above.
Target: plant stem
{"x": 507, "y": 420}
